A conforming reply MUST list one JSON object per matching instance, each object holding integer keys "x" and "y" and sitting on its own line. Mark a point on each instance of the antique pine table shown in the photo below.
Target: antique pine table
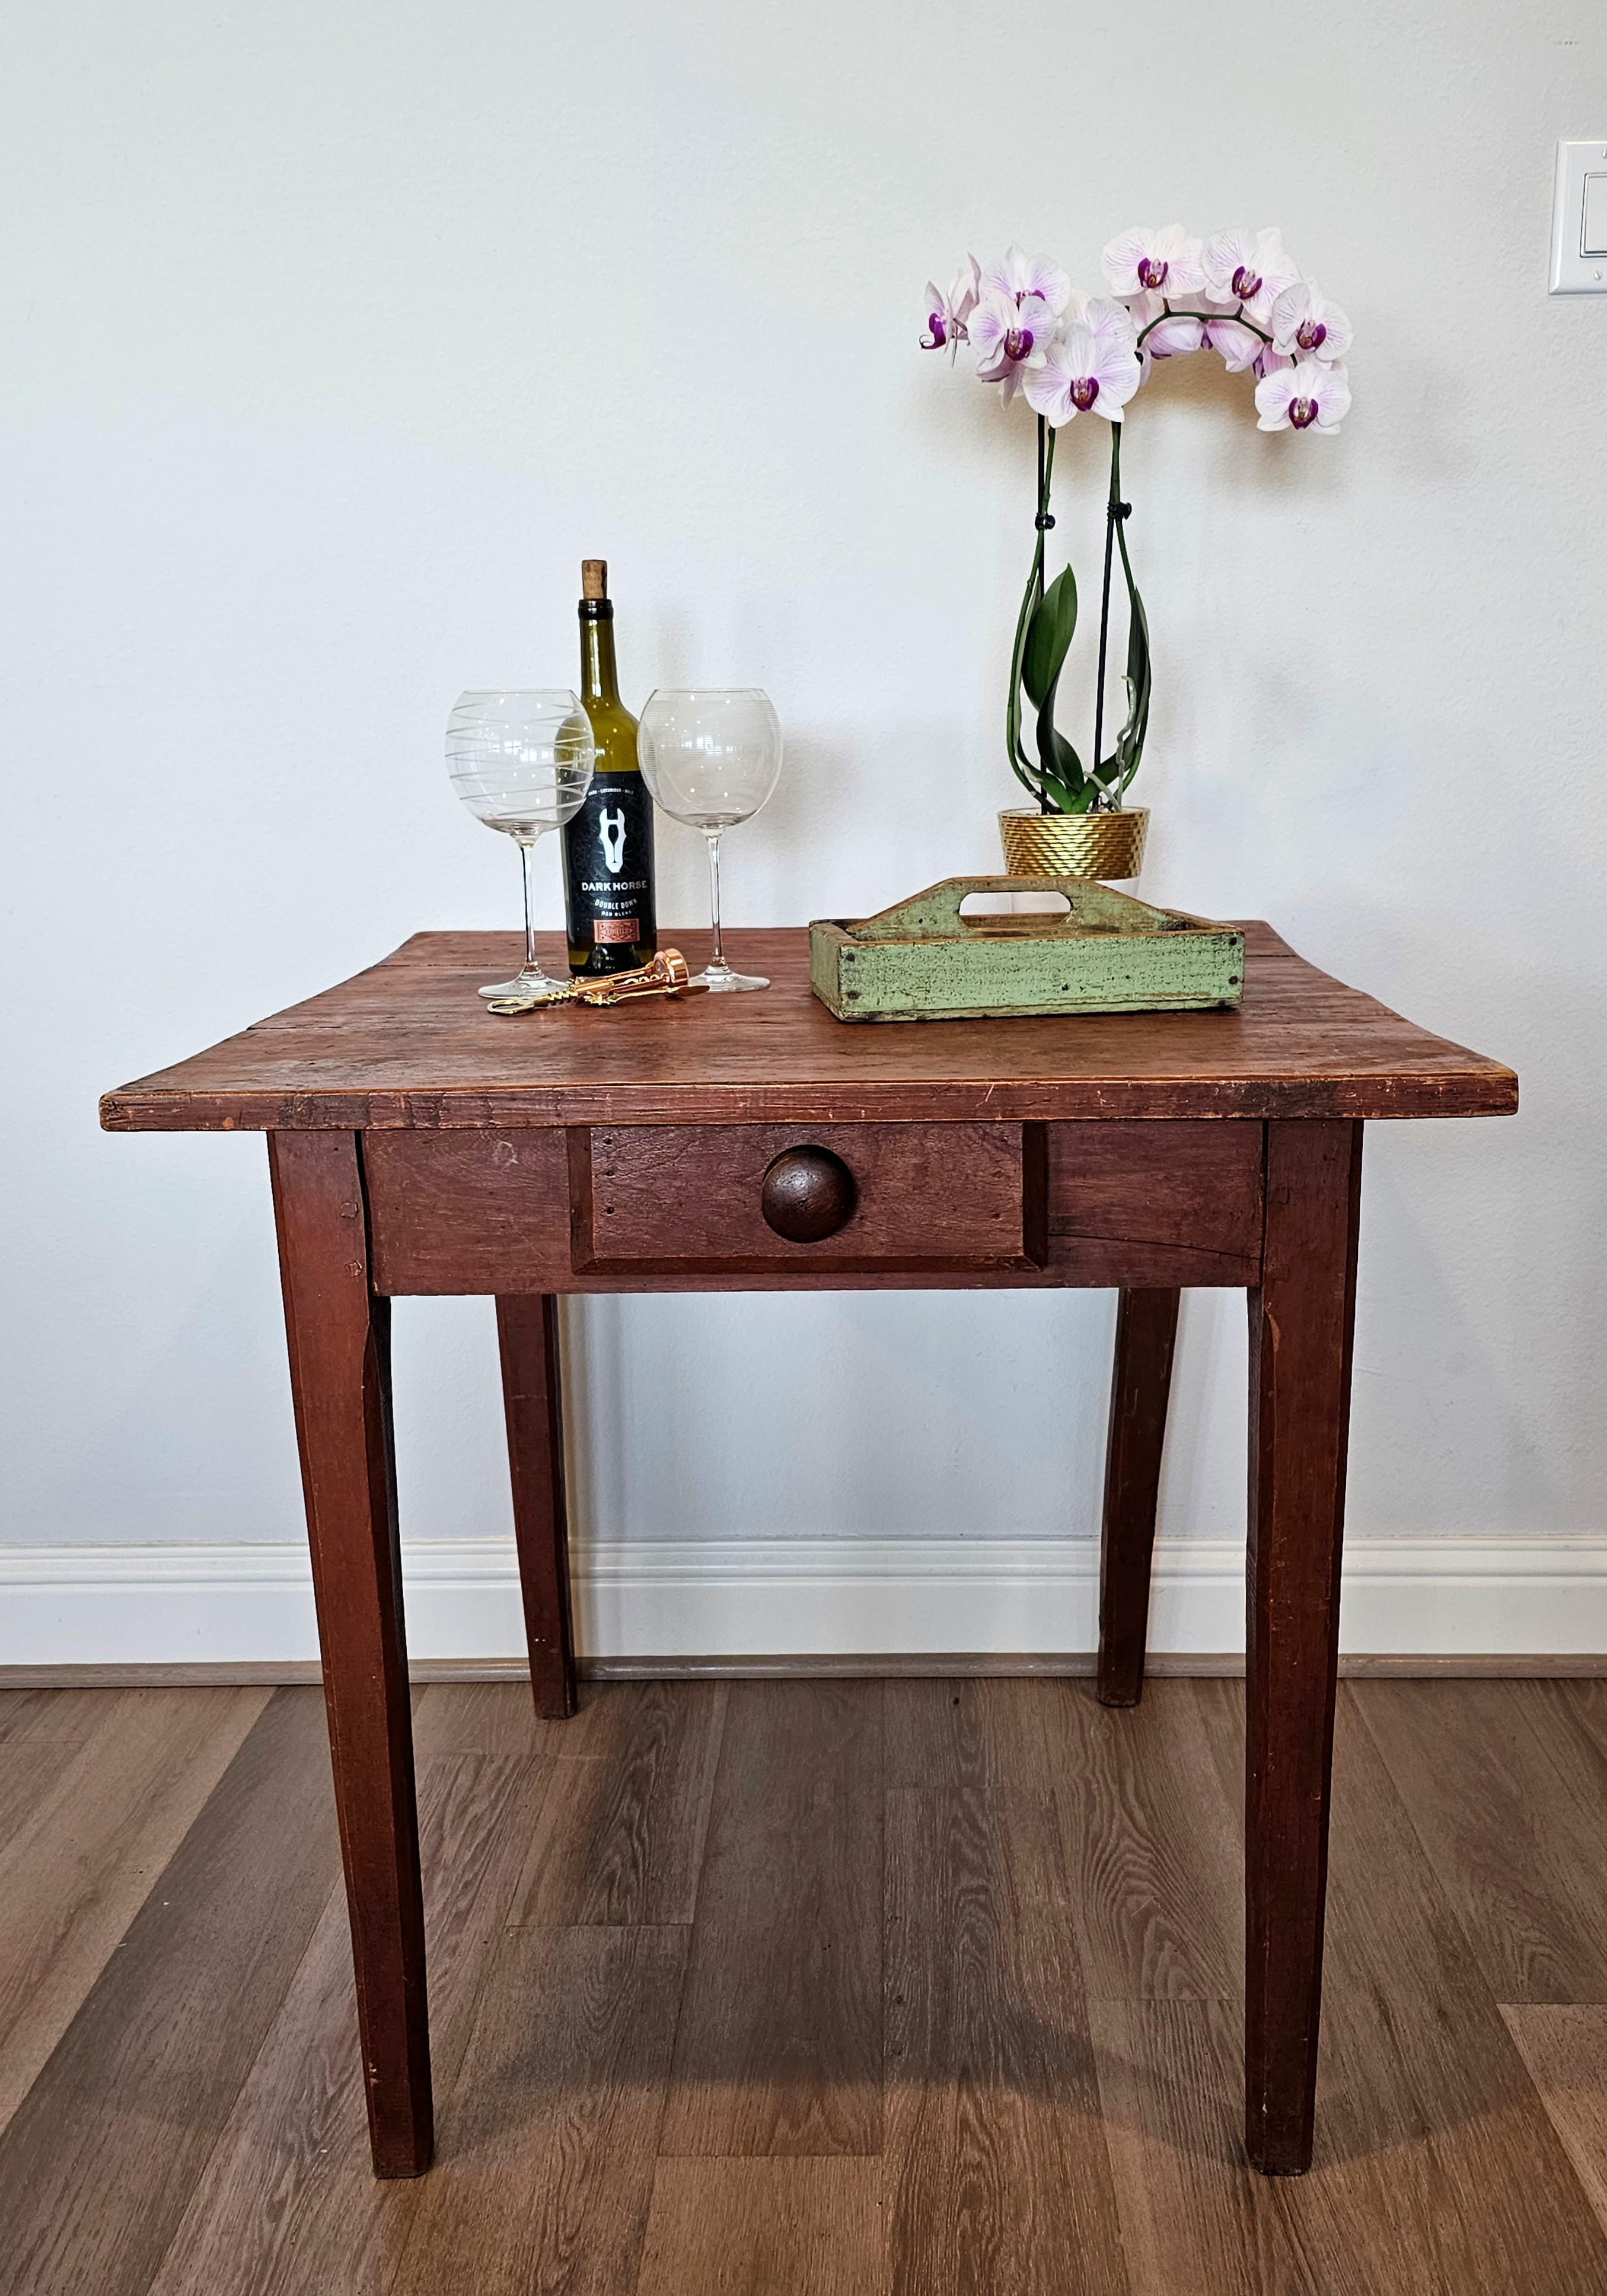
{"x": 418, "y": 1143}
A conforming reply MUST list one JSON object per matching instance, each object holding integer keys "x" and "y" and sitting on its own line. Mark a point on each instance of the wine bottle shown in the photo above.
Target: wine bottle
{"x": 607, "y": 873}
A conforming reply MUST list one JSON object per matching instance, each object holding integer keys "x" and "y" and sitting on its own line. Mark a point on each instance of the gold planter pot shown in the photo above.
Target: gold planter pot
{"x": 1103, "y": 845}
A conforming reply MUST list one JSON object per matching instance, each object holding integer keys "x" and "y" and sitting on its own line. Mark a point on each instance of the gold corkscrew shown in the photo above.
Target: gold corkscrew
{"x": 667, "y": 975}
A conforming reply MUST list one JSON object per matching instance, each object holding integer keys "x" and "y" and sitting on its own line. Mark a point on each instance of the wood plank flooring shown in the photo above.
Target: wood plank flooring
{"x": 907, "y": 1988}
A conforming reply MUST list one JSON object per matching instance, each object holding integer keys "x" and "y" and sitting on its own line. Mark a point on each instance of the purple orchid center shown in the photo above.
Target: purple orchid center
{"x": 1311, "y": 334}
{"x": 1018, "y": 344}
{"x": 1085, "y": 391}
{"x": 1302, "y": 414}
{"x": 936, "y": 331}
{"x": 1246, "y": 283}
{"x": 1152, "y": 274}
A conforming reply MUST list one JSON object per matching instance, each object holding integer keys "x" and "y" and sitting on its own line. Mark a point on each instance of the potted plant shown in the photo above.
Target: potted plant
{"x": 1069, "y": 353}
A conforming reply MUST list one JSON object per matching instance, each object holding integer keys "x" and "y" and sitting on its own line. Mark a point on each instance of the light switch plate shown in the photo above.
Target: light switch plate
{"x": 1578, "y": 219}
{"x": 1594, "y": 239}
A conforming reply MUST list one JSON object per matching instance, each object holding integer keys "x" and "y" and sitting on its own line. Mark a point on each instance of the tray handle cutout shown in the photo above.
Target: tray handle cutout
{"x": 935, "y": 914}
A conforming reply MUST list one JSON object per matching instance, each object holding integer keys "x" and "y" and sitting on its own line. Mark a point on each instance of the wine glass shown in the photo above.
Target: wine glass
{"x": 522, "y": 763}
{"x": 711, "y": 756}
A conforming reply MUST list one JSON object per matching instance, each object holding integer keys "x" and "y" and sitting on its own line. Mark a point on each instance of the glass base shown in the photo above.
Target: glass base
{"x": 538, "y": 986}
{"x": 722, "y": 977}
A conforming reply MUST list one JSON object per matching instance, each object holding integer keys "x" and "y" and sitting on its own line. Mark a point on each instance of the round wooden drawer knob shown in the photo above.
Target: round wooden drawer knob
{"x": 808, "y": 1194}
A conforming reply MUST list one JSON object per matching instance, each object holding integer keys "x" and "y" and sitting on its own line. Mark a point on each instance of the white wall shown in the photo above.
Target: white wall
{"x": 331, "y": 336}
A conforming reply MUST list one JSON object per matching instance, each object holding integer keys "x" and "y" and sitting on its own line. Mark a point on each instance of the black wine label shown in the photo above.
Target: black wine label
{"x": 608, "y": 877}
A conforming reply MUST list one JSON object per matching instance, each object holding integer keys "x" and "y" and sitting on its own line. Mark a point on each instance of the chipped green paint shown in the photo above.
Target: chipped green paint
{"x": 924, "y": 961}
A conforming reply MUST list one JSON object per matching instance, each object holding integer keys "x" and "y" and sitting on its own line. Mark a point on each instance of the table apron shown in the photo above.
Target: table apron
{"x": 557, "y": 1208}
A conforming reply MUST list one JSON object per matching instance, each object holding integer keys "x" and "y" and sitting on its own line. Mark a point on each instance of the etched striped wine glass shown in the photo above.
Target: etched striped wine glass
{"x": 522, "y": 762}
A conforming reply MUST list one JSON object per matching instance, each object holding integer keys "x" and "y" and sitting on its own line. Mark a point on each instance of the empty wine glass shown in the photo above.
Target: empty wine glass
{"x": 522, "y": 763}
{"x": 711, "y": 756}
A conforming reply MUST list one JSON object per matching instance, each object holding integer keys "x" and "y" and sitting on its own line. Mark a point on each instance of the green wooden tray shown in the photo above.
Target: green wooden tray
{"x": 924, "y": 961}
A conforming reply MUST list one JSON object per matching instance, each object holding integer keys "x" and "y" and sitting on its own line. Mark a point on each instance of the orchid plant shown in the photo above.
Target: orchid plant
{"x": 1069, "y": 353}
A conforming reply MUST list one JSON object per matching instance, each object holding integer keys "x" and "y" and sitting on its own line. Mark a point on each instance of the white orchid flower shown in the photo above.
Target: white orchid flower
{"x": 1010, "y": 338}
{"x": 1104, "y": 315}
{"x": 1101, "y": 315}
{"x": 1239, "y": 346}
{"x": 1214, "y": 329}
{"x": 1248, "y": 268}
{"x": 1165, "y": 262}
{"x": 1310, "y": 397}
{"x": 1305, "y": 323}
{"x": 1084, "y": 373}
{"x": 947, "y": 313}
{"x": 1176, "y": 337}
{"x": 1021, "y": 277}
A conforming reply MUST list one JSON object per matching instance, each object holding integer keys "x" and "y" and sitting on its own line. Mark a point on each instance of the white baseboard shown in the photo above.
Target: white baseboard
{"x": 106, "y": 1605}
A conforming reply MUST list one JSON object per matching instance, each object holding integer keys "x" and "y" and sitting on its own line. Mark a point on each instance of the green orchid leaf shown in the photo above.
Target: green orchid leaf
{"x": 1129, "y": 744}
{"x": 1116, "y": 771}
{"x": 1060, "y": 774}
{"x": 1058, "y": 762}
{"x": 1048, "y": 638}
{"x": 1063, "y": 798}
{"x": 1082, "y": 800}
{"x": 1020, "y": 763}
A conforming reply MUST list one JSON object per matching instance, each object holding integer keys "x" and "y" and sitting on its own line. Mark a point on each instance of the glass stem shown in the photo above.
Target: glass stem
{"x": 526, "y": 854}
{"x": 713, "y": 837}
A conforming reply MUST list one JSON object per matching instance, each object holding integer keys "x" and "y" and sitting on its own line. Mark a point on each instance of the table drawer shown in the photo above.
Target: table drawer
{"x": 556, "y": 1210}
{"x": 829, "y": 1199}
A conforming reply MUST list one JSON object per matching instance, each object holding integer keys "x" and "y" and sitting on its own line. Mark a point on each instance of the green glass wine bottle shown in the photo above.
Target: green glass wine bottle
{"x": 608, "y": 867}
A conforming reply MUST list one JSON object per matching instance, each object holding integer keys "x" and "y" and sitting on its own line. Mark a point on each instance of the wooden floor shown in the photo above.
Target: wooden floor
{"x": 918, "y": 1986}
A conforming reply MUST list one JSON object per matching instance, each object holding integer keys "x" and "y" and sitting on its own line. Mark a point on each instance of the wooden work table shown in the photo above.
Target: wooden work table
{"x": 419, "y": 1145}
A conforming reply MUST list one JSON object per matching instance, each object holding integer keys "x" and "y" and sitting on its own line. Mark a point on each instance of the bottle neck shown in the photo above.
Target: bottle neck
{"x": 599, "y": 681}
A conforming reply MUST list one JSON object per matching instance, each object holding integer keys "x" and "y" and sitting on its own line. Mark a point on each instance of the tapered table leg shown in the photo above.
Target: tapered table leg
{"x": 1146, "y": 1333}
{"x": 339, "y": 1334}
{"x": 1300, "y": 1326}
{"x": 526, "y": 1330}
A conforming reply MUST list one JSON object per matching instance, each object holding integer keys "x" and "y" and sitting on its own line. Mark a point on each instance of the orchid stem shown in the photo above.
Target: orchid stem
{"x": 1237, "y": 317}
{"x": 1113, "y": 510}
{"x": 1043, "y": 511}
{"x": 1030, "y": 775}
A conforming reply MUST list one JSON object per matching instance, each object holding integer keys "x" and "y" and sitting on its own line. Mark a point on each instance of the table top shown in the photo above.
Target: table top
{"x": 408, "y": 1043}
